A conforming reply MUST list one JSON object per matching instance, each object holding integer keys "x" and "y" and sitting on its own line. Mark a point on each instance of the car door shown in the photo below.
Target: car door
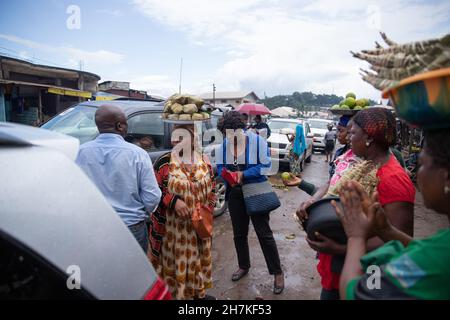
{"x": 148, "y": 131}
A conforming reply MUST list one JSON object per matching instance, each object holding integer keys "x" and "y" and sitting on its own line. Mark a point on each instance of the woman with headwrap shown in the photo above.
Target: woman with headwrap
{"x": 343, "y": 159}
{"x": 181, "y": 258}
{"x": 409, "y": 269}
{"x": 297, "y": 148}
{"x": 372, "y": 133}
{"x": 342, "y": 136}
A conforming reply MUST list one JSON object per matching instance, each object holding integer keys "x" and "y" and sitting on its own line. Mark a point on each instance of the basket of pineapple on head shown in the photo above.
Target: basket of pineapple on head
{"x": 350, "y": 105}
{"x": 185, "y": 109}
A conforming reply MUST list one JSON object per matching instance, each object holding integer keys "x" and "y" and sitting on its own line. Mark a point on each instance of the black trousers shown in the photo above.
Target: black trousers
{"x": 240, "y": 221}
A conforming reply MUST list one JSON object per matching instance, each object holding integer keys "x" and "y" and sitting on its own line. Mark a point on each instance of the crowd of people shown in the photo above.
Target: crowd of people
{"x": 156, "y": 202}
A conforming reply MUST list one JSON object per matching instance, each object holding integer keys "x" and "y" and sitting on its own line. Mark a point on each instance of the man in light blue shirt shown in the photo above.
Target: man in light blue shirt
{"x": 122, "y": 171}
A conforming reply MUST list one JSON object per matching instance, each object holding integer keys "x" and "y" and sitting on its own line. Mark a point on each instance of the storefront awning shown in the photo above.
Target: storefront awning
{"x": 69, "y": 92}
{"x": 51, "y": 88}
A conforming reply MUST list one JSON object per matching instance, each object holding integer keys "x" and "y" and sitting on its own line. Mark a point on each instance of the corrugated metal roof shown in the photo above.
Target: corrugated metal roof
{"x": 40, "y": 67}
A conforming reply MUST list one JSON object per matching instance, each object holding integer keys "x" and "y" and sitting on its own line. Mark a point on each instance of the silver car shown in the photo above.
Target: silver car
{"x": 59, "y": 237}
{"x": 318, "y": 129}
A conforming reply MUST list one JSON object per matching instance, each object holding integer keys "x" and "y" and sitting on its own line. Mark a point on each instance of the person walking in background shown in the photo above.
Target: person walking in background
{"x": 296, "y": 149}
{"x": 245, "y": 119}
{"x": 261, "y": 127}
{"x": 122, "y": 171}
{"x": 330, "y": 140}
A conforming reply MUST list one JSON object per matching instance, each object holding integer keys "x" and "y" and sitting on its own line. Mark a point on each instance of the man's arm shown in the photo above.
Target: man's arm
{"x": 148, "y": 186}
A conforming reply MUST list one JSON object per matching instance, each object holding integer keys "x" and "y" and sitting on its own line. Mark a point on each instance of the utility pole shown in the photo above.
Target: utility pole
{"x": 214, "y": 95}
{"x": 181, "y": 70}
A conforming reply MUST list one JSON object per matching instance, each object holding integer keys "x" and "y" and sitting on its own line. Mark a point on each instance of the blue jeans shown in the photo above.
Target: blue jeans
{"x": 140, "y": 232}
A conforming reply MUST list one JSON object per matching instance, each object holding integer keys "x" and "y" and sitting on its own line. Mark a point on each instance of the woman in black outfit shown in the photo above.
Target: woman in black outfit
{"x": 243, "y": 159}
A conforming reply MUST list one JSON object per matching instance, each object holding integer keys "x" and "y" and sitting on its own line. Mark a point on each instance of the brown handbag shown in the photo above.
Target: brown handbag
{"x": 202, "y": 221}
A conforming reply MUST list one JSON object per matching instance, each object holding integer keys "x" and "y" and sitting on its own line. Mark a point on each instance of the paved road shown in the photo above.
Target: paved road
{"x": 298, "y": 260}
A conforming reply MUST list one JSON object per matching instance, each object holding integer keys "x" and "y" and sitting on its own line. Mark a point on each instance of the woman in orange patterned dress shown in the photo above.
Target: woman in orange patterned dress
{"x": 179, "y": 256}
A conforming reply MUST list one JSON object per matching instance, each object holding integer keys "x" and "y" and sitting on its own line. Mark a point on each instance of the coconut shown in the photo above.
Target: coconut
{"x": 351, "y": 102}
{"x": 285, "y": 176}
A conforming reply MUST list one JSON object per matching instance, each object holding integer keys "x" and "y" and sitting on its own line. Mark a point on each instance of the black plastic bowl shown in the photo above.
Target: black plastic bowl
{"x": 322, "y": 218}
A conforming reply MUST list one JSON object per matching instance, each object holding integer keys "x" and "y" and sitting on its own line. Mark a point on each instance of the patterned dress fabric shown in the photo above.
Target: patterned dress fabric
{"x": 182, "y": 259}
{"x": 295, "y": 163}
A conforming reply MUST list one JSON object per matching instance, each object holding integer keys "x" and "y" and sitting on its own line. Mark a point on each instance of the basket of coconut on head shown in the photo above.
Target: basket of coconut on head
{"x": 185, "y": 109}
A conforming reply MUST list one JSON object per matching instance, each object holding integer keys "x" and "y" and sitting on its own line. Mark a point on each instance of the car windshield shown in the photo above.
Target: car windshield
{"x": 318, "y": 124}
{"x": 278, "y": 125}
{"x": 78, "y": 122}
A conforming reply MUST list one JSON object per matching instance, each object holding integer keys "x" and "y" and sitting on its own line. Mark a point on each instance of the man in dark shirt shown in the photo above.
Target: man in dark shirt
{"x": 259, "y": 126}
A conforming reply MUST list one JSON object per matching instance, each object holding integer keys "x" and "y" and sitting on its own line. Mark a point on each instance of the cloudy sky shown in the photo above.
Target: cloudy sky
{"x": 269, "y": 46}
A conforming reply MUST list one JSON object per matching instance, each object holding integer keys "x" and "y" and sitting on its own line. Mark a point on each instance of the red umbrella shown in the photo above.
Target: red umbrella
{"x": 253, "y": 109}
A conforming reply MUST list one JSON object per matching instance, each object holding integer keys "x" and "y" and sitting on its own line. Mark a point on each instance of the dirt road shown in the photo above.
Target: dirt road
{"x": 298, "y": 260}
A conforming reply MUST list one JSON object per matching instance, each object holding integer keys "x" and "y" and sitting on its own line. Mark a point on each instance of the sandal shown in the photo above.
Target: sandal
{"x": 239, "y": 274}
{"x": 277, "y": 287}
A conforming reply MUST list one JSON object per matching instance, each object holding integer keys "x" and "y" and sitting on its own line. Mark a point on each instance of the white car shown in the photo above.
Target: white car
{"x": 278, "y": 141}
{"x": 318, "y": 128}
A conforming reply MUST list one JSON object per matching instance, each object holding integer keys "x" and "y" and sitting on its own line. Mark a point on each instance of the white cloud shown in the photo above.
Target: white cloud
{"x": 24, "y": 55}
{"x": 282, "y": 46}
{"x": 73, "y": 55}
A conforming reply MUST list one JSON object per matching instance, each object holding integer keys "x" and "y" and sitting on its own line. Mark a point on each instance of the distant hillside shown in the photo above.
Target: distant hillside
{"x": 303, "y": 101}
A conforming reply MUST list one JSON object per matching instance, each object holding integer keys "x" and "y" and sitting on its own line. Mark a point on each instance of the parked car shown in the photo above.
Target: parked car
{"x": 145, "y": 128}
{"x": 59, "y": 237}
{"x": 318, "y": 128}
{"x": 278, "y": 141}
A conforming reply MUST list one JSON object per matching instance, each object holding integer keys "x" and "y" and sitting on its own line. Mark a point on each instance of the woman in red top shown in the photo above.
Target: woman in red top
{"x": 372, "y": 133}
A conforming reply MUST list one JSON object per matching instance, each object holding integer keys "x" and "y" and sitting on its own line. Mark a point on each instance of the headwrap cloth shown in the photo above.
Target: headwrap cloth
{"x": 379, "y": 124}
{"x": 300, "y": 144}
